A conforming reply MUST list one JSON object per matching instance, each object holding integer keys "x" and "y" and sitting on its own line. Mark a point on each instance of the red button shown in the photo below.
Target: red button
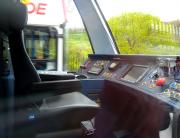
{"x": 160, "y": 81}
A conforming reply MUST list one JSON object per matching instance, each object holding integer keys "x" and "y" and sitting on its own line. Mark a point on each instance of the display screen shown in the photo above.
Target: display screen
{"x": 135, "y": 73}
{"x": 95, "y": 70}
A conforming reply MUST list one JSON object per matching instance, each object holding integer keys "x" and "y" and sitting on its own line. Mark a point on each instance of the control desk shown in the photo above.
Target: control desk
{"x": 157, "y": 76}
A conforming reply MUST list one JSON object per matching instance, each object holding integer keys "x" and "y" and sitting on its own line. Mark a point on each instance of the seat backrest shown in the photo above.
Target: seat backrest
{"x": 13, "y": 18}
{"x": 1, "y": 64}
{"x": 6, "y": 76}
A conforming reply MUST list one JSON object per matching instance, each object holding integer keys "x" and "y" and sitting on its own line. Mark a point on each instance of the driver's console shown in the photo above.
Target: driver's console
{"x": 155, "y": 77}
{"x": 152, "y": 75}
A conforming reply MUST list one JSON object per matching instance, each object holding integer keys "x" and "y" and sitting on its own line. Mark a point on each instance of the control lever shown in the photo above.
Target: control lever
{"x": 155, "y": 76}
{"x": 87, "y": 127}
{"x": 81, "y": 76}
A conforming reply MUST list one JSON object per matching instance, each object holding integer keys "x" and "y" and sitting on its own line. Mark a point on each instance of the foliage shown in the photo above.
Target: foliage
{"x": 52, "y": 48}
{"x": 139, "y": 33}
{"x": 78, "y": 48}
{"x": 135, "y": 33}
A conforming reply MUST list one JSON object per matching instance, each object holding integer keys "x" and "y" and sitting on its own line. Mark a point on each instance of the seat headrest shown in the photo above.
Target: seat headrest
{"x": 13, "y": 16}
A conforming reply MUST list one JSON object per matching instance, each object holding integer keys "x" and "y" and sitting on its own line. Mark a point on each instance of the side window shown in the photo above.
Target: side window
{"x": 41, "y": 45}
{"x": 77, "y": 45}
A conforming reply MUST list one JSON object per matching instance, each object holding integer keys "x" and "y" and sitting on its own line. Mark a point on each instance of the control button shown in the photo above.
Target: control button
{"x": 177, "y": 95}
{"x": 151, "y": 84}
{"x": 171, "y": 93}
{"x": 144, "y": 83}
{"x": 152, "y": 81}
{"x": 178, "y": 86}
{"x": 160, "y": 81}
{"x": 113, "y": 65}
{"x": 167, "y": 90}
{"x": 167, "y": 94}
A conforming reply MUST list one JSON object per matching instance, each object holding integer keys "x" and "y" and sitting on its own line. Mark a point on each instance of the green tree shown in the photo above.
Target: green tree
{"x": 136, "y": 33}
{"x": 78, "y": 48}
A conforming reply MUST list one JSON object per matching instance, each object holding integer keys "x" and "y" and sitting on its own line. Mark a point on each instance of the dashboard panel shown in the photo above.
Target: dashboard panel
{"x": 153, "y": 75}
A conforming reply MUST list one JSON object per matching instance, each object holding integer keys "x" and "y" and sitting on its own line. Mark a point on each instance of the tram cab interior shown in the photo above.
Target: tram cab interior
{"x": 112, "y": 95}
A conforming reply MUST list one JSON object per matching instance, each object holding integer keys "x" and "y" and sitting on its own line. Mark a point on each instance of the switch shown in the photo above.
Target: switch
{"x": 113, "y": 65}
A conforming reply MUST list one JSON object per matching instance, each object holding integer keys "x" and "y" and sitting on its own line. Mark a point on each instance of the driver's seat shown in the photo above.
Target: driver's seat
{"x": 39, "y": 106}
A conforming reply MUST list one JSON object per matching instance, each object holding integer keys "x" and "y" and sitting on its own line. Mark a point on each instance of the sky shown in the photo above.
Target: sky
{"x": 167, "y": 10}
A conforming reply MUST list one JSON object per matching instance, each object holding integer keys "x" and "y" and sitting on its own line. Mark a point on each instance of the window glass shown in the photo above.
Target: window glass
{"x": 77, "y": 45}
{"x": 41, "y": 45}
{"x": 144, "y": 27}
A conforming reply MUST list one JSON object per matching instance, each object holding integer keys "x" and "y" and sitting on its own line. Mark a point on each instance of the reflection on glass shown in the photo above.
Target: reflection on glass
{"x": 41, "y": 46}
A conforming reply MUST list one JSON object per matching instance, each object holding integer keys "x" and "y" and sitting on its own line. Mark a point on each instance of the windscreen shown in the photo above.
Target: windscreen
{"x": 150, "y": 27}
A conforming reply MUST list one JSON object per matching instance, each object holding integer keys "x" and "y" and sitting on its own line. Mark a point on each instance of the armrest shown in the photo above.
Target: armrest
{"x": 56, "y": 87}
{"x": 38, "y": 91}
{"x": 53, "y": 77}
